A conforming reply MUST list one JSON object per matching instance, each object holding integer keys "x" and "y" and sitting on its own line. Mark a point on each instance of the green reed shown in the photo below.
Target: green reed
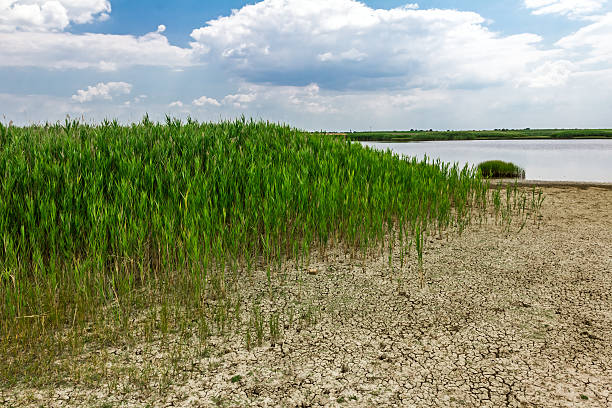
{"x": 100, "y": 222}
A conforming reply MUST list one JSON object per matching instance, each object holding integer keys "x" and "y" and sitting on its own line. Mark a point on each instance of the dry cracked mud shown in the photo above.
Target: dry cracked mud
{"x": 518, "y": 320}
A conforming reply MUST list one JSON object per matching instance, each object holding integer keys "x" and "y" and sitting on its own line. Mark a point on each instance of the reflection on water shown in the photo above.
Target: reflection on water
{"x": 556, "y": 160}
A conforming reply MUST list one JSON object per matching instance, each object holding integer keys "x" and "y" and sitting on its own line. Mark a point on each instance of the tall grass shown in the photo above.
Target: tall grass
{"x": 98, "y": 223}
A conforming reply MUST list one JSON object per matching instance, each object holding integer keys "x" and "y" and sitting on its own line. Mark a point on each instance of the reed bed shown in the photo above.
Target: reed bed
{"x": 103, "y": 224}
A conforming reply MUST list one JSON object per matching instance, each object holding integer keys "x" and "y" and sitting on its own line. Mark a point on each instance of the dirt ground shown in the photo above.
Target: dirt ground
{"x": 518, "y": 320}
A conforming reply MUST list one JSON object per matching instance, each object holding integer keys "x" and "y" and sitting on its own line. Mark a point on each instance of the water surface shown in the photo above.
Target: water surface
{"x": 554, "y": 160}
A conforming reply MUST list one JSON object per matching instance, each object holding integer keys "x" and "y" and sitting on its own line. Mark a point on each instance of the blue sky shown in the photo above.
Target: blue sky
{"x": 315, "y": 64}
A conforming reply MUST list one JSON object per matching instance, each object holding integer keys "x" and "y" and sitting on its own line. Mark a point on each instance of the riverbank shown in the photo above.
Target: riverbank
{"x": 504, "y": 320}
{"x": 497, "y": 134}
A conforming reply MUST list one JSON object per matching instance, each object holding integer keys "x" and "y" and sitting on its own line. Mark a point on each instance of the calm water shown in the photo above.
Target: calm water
{"x": 556, "y": 160}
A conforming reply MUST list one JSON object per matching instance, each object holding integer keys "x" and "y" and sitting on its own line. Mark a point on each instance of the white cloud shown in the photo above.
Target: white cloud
{"x": 32, "y": 35}
{"x": 344, "y": 44}
{"x": 105, "y": 52}
{"x": 571, "y": 8}
{"x": 102, "y": 91}
{"x": 593, "y": 40}
{"x": 50, "y": 15}
{"x": 239, "y": 100}
{"x": 550, "y": 74}
{"x": 176, "y": 104}
{"x": 204, "y": 100}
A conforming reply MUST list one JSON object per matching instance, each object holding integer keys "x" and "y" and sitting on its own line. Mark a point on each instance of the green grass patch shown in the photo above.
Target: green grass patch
{"x": 500, "y": 169}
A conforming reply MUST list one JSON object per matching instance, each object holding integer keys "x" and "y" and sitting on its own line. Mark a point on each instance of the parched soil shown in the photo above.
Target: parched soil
{"x": 519, "y": 320}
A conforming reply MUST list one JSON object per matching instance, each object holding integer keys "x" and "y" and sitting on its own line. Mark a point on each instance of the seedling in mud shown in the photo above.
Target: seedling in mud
{"x": 257, "y": 322}
{"x": 418, "y": 239}
{"x": 274, "y": 325}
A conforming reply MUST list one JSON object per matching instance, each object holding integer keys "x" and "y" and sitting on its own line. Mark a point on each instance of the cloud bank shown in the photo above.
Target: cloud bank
{"x": 344, "y": 44}
{"x": 104, "y": 52}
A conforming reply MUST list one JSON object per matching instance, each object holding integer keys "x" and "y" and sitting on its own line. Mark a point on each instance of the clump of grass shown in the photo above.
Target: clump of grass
{"x": 101, "y": 224}
{"x": 500, "y": 169}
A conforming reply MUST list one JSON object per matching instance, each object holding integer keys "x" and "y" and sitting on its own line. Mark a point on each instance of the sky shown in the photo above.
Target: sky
{"x": 314, "y": 64}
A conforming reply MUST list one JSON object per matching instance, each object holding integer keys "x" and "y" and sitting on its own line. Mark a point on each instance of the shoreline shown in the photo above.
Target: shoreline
{"x": 448, "y": 139}
{"x": 466, "y": 135}
{"x": 556, "y": 183}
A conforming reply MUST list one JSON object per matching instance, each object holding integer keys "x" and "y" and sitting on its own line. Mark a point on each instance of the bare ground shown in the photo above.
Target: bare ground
{"x": 519, "y": 320}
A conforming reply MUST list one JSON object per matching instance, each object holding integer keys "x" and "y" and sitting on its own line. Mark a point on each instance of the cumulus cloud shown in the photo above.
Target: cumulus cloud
{"x": 344, "y": 44}
{"x": 32, "y": 34}
{"x": 204, "y": 100}
{"x": 176, "y": 104}
{"x": 594, "y": 40}
{"x": 104, "y": 52}
{"x": 571, "y": 8}
{"x": 102, "y": 91}
{"x": 239, "y": 100}
{"x": 50, "y": 15}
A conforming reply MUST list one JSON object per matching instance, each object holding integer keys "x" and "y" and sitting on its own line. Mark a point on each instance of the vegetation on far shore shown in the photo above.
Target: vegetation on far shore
{"x": 109, "y": 228}
{"x": 497, "y": 134}
{"x": 500, "y": 169}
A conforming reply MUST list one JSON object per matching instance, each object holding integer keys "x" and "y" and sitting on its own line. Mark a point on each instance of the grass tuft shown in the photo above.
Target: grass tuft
{"x": 500, "y": 169}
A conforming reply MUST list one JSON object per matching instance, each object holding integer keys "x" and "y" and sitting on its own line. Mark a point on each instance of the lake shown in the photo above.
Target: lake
{"x": 551, "y": 160}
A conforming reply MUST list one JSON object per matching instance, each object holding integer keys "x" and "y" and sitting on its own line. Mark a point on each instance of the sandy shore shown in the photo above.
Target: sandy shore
{"x": 523, "y": 320}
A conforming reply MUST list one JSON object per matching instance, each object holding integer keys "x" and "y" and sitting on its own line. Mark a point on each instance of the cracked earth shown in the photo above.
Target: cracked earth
{"x": 523, "y": 320}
